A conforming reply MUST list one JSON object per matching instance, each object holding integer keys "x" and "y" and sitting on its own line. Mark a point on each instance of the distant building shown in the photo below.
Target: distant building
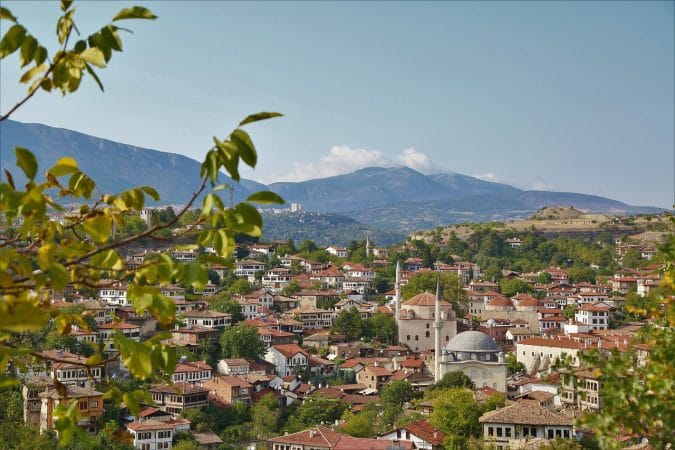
{"x": 476, "y": 355}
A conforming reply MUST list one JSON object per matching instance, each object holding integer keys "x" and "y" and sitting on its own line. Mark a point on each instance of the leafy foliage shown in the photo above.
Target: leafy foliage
{"x": 349, "y": 323}
{"x": 396, "y": 393}
{"x": 43, "y": 254}
{"x": 638, "y": 394}
{"x": 241, "y": 341}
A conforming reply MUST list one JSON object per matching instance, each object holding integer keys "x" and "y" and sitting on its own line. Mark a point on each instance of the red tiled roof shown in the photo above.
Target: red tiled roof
{"x": 424, "y": 299}
{"x": 117, "y": 326}
{"x": 288, "y": 350}
{"x": 557, "y": 343}
{"x": 412, "y": 363}
{"x": 425, "y": 431}
{"x": 378, "y": 371}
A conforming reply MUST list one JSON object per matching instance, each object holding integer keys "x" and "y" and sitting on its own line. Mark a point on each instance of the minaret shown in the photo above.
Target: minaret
{"x": 438, "y": 324}
{"x": 397, "y": 297}
{"x": 367, "y": 247}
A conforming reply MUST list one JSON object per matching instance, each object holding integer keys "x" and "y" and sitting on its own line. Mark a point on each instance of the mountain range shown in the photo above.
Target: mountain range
{"x": 397, "y": 198}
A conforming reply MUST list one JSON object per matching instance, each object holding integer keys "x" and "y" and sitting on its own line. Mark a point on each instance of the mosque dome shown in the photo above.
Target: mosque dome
{"x": 472, "y": 341}
{"x": 472, "y": 345}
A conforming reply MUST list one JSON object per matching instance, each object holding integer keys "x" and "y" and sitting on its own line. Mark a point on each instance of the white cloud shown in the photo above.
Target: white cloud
{"x": 541, "y": 185}
{"x": 489, "y": 176}
{"x": 414, "y": 159}
{"x": 343, "y": 159}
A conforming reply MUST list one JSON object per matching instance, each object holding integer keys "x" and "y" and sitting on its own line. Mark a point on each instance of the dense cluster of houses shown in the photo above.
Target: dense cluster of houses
{"x": 554, "y": 322}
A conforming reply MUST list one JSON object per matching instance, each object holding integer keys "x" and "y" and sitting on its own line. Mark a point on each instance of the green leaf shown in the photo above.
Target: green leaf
{"x": 40, "y": 55}
{"x": 21, "y": 316}
{"x": 259, "y": 116}
{"x": 209, "y": 167}
{"x": 246, "y": 148}
{"x": 207, "y": 205}
{"x": 195, "y": 275}
{"x": 246, "y": 219}
{"x": 93, "y": 56}
{"x": 12, "y": 40}
{"x": 135, "y": 356}
{"x": 265, "y": 197}
{"x": 111, "y": 37}
{"x": 214, "y": 259}
{"x": 97, "y": 40}
{"x": 65, "y": 4}
{"x": 151, "y": 192}
{"x": 133, "y": 400}
{"x": 108, "y": 259}
{"x": 98, "y": 227}
{"x": 27, "y": 161}
{"x": 64, "y": 166}
{"x": 28, "y": 48}
{"x": 58, "y": 276}
{"x": 30, "y": 73}
{"x": 6, "y": 15}
{"x": 135, "y": 12}
{"x": 91, "y": 72}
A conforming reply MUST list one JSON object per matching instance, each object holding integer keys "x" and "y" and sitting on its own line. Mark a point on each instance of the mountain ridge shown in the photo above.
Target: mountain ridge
{"x": 372, "y": 195}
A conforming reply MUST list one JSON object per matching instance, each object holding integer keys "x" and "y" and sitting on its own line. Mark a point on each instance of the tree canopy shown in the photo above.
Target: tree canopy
{"x": 241, "y": 341}
{"x": 43, "y": 253}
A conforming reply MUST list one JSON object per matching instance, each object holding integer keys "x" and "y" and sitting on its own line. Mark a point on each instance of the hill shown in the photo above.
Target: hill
{"x": 114, "y": 166}
{"x": 324, "y": 229}
{"x": 395, "y": 198}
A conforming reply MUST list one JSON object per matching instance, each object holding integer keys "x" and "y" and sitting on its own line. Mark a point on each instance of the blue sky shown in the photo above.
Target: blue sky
{"x": 567, "y": 96}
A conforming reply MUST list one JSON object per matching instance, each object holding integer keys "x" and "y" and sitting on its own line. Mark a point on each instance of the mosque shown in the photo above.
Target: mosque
{"x": 474, "y": 353}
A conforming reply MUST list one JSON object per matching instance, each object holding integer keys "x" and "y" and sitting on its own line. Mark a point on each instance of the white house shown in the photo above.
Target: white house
{"x": 340, "y": 252}
{"x": 524, "y": 421}
{"x": 421, "y": 432}
{"x": 207, "y": 318}
{"x": 288, "y": 359}
{"x": 247, "y": 268}
{"x": 596, "y": 316}
{"x": 233, "y": 366}
{"x": 192, "y": 372}
{"x": 154, "y": 434}
{"x": 114, "y": 295}
{"x": 541, "y": 353}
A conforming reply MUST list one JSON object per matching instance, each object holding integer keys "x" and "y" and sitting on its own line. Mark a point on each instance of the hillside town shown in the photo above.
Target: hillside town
{"x": 360, "y": 346}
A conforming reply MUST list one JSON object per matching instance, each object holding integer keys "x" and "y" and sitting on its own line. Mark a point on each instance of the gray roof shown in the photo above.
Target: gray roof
{"x": 472, "y": 341}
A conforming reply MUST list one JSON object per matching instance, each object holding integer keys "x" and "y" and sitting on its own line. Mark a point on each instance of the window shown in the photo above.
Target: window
{"x": 491, "y": 431}
{"x": 93, "y": 404}
{"x": 427, "y": 334}
{"x": 507, "y": 432}
{"x": 499, "y": 431}
{"x": 417, "y": 338}
{"x": 550, "y": 434}
{"x": 83, "y": 405}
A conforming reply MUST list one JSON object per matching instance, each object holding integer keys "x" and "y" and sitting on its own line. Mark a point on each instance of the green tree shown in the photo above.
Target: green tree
{"x": 349, "y": 323}
{"x": 569, "y": 311}
{"x": 315, "y": 410}
{"x": 512, "y": 286}
{"x": 225, "y": 304}
{"x": 455, "y": 379}
{"x": 291, "y": 288}
{"x": 451, "y": 288}
{"x": 638, "y": 397}
{"x": 362, "y": 424}
{"x": 241, "y": 341}
{"x": 265, "y": 416}
{"x": 456, "y": 413}
{"x": 513, "y": 365}
{"x": 43, "y": 254}
{"x": 382, "y": 327}
{"x": 396, "y": 393}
